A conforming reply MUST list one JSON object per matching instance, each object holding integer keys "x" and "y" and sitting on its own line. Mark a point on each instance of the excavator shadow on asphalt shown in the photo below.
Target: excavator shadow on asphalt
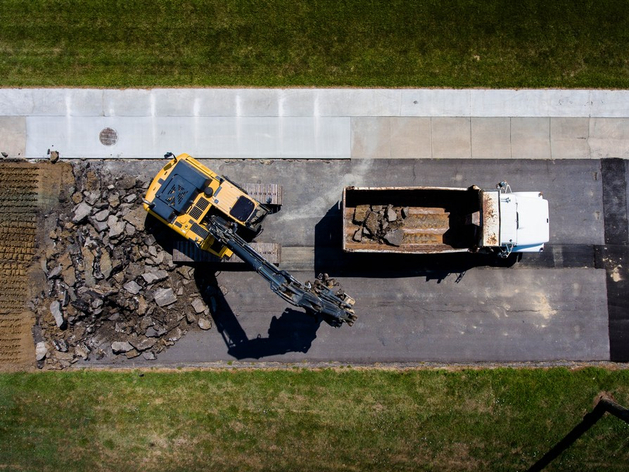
{"x": 292, "y": 331}
{"x": 329, "y": 258}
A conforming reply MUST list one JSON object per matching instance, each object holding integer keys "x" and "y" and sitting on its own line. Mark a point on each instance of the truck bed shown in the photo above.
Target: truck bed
{"x": 420, "y": 220}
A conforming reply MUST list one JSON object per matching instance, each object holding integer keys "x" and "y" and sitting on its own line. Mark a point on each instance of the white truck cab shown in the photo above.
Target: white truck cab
{"x": 515, "y": 221}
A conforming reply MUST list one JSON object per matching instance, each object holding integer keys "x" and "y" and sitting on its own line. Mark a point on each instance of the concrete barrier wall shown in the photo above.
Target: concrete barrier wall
{"x": 315, "y": 123}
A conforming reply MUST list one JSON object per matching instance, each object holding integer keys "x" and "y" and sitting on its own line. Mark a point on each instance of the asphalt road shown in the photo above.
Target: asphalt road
{"x": 567, "y": 304}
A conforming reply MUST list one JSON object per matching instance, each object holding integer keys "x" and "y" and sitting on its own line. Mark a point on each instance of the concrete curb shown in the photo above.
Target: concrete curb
{"x": 315, "y": 123}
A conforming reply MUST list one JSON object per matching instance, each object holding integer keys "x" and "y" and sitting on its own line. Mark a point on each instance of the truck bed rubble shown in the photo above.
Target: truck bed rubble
{"x": 400, "y": 225}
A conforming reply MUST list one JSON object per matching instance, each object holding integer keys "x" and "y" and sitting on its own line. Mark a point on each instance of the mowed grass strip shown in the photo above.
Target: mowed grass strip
{"x": 280, "y": 420}
{"x": 281, "y": 43}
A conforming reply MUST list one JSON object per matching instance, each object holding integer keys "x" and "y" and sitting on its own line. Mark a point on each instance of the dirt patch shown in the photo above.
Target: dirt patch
{"x": 25, "y": 189}
{"x": 17, "y": 351}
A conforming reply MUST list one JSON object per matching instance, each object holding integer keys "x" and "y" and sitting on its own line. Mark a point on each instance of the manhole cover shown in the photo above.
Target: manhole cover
{"x": 108, "y": 136}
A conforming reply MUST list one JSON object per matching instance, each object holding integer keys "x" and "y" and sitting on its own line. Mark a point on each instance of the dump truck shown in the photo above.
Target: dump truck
{"x": 214, "y": 213}
{"x": 437, "y": 220}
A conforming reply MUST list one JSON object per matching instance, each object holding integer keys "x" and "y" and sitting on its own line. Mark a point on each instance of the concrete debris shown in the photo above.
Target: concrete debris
{"x": 165, "y": 297}
{"x": 199, "y": 305}
{"x": 127, "y": 183}
{"x": 81, "y": 212}
{"x": 105, "y": 264}
{"x": 174, "y": 335}
{"x": 102, "y": 215}
{"x": 154, "y": 276}
{"x": 380, "y": 224}
{"x": 155, "y": 331}
{"x": 149, "y": 356}
{"x": 204, "y": 323}
{"x": 60, "y": 345}
{"x": 113, "y": 199}
{"x": 92, "y": 197}
{"x": 360, "y": 213}
{"x": 372, "y": 223}
{"x": 100, "y": 226}
{"x": 82, "y": 351}
{"x": 40, "y": 351}
{"x": 132, "y": 287}
{"x": 394, "y": 237}
{"x": 54, "y": 273}
{"x": 116, "y": 226}
{"x": 133, "y": 353}
{"x": 142, "y": 344}
{"x": 136, "y": 217}
{"x": 55, "y": 310}
{"x": 121, "y": 346}
{"x": 113, "y": 291}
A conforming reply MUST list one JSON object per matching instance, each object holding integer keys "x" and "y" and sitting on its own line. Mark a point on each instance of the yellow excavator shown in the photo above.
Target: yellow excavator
{"x": 209, "y": 210}
{"x": 185, "y": 193}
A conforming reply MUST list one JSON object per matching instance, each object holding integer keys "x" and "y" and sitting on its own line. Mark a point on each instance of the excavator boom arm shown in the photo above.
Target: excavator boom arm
{"x": 317, "y": 298}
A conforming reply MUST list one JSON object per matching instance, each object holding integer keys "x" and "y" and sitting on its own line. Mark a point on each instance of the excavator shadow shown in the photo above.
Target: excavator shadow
{"x": 330, "y": 258}
{"x": 163, "y": 236}
{"x": 292, "y": 331}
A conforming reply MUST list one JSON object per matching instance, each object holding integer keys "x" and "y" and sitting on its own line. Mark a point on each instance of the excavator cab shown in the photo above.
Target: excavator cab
{"x": 185, "y": 193}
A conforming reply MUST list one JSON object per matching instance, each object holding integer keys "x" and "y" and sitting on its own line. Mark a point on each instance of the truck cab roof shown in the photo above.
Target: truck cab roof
{"x": 524, "y": 221}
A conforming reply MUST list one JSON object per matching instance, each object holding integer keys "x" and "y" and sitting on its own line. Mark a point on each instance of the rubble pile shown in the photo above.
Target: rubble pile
{"x": 111, "y": 290}
{"x": 380, "y": 223}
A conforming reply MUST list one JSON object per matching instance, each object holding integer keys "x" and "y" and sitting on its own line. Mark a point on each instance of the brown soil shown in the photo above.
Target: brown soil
{"x": 25, "y": 190}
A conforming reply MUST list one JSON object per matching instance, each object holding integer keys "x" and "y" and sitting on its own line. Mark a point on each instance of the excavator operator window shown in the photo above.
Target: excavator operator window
{"x": 242, "y": 209}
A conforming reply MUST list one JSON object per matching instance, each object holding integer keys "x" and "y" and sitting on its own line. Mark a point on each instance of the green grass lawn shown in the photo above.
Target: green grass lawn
{"x": 298, "y": 419}
{"x": 284, "y": 43}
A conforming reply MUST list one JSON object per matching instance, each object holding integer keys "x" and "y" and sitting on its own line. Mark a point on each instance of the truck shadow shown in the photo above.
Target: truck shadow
{"x": 331, "y": 259}
{"x": 292, "y": 331}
